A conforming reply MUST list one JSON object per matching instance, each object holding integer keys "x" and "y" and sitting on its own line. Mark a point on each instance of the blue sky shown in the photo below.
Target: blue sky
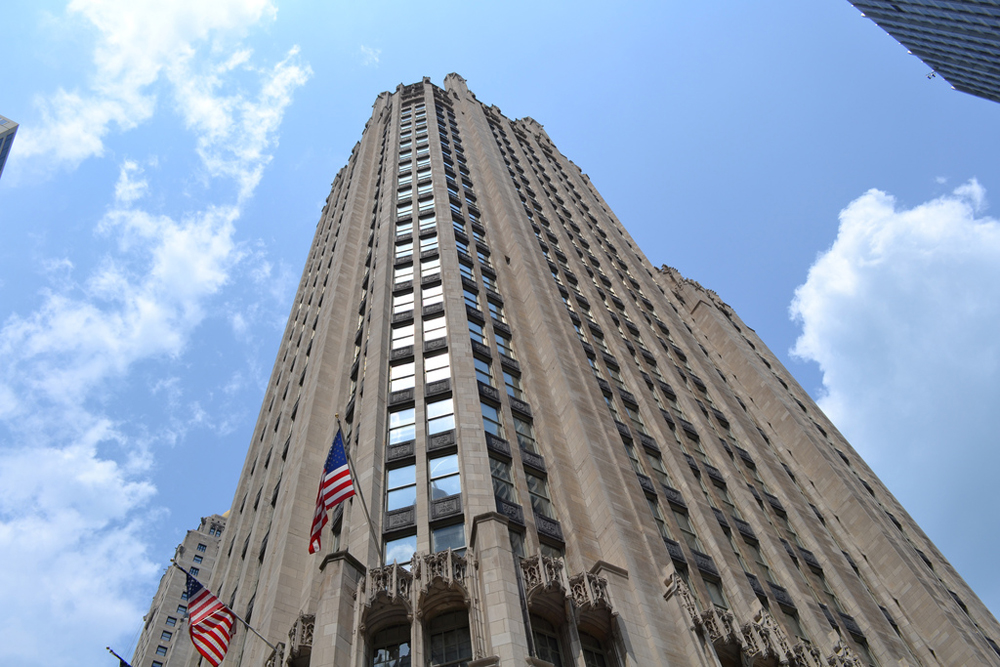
{"x": 173, "y": 158}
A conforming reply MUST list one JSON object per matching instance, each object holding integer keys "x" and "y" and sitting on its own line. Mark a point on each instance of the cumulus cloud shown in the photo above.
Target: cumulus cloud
{"x": 902, "y": 314}
{"x": 136, "y": 44}
{"x": 75, "y": 491}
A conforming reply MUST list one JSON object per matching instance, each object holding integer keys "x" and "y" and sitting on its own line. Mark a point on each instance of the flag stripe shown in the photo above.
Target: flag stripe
{"x": 335, "y": 486}
{"x": 210, "y": 623}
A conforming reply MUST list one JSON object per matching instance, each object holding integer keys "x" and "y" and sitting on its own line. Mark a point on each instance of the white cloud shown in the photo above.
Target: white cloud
{"x": 128, "y": 190}
{"x": 75, "y": 488}
{"x": 233, "y": 131}
{"x": 135, "y": 43}
{"x": 902, "y": 314}
{"x": 370, "y": 56}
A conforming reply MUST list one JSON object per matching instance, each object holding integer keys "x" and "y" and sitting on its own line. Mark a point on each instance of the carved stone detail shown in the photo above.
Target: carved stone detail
{"x": 300, "y": 637}
{"x": 589, "y": 591}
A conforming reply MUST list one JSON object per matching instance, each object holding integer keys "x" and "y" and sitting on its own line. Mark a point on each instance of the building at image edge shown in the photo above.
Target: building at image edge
{"x": 164, "y": 640}
{"x": 570, "y": 457}
{"x": 958, "y": 39}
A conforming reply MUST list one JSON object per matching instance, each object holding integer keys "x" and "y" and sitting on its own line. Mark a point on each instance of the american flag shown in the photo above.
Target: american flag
{"x": 210, "y": 622}
{"x": 335, "y": 487}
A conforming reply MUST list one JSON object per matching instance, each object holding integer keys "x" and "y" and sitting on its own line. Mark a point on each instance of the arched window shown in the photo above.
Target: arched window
{"x": 546, "y": 641}
{"x": 593, "y": 651}
{"x": 450, "y": 643}
{"x": 391, "y": 647}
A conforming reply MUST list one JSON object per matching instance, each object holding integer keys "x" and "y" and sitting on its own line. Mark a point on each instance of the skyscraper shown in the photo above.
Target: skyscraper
{"x": 959, "y": 39}
{"x": 163, "y": 641}
{"x": 8, "y": 129}
{"x": 569, "y": 456}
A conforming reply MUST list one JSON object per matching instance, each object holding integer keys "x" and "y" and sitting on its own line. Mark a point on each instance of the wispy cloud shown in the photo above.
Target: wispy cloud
{"x": 901, "y": 314}
{"x": 370, "y": 56}
{"x": 75, "y": 491}
{"x": 136, "y": 44}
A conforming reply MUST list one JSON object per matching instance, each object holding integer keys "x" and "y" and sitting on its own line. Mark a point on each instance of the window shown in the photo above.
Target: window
{"x": 202, "y": 547}
{"x": 636, "y": 419}
{"x": 171, "y": 621}
{"x": 467, "y": 271}
{"x": 496, "y": 311}
{"x": 513, "y": 383}
{"x": 404, "y": 227}
{"x": 661, "y": 525}
{"x": 538, "y": 489}
{"x": 182, "y": 609}
{"x": 449, "y": 537}
{"x": 427, "y": 221}
{"x": 458, "y": 225}
{"x": 194, "y": 570}
{"x": 401, "y": 485}
{"x": 476, "y": 332}
{"x": 503, "y": 482}
{"x": 440, "y": 416}
{"x": 428, "y": 243}
{"x": 616, "y": 377}
{"x": 525, "y": 435}
{"x": 197, "y": 559}
{"x": 471, "y": 299}
{"x": 760, "y": 560}
{"x": 723, "y": 494}
{"x": 401, "y": 549}
{"x": 157, "y": 663}
{"x": 401, "y": 376}
{"x": 546, "y": 641}
{"x": 403, "y": 274}
{"x": 659, "y": 472}
{"x": 437, "y": 368}
{"x": 432, "y": 295}
{"x": 633, "y": 458}
{"x": 550, "y": 551}
{"x": 429, "y": 267}
{"x": 402, "y": 303}
{"x": 391, "y": 647}
{"x": 166, "y": 635}
{"x": 714, "y": 588}
{"x": 490, "y": 282}
{"x": 444, "y": 476}
{"x": 611, "y": 406}
{"x": 687, "y": 531}
{"x": 792, "y": 623}
{"x": 504, "y": 345}
{"x": 161, "y": 650}
{"x": 450, "y": 642}
{"x": 435, "y": 328}
{"x": 593, "y": 651}
{"x": 401, "y": 426}
{"x": 492, "y": 420}
{"x": 483, "y": 371}
{"x": 595, "y": 368}
{"x": 402, "y": 336}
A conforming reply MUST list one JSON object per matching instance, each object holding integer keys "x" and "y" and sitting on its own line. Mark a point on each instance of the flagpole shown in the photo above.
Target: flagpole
{"x": 121, "y": 659}
{"x": 357, "y": 491}
{"x": 237, "y": 616}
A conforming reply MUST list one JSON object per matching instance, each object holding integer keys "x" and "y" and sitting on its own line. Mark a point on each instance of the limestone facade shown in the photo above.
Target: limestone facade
{"x": 569, "y": 456}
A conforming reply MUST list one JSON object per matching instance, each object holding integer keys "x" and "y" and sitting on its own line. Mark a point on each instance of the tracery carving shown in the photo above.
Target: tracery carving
{"x": 843, "y": 656}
